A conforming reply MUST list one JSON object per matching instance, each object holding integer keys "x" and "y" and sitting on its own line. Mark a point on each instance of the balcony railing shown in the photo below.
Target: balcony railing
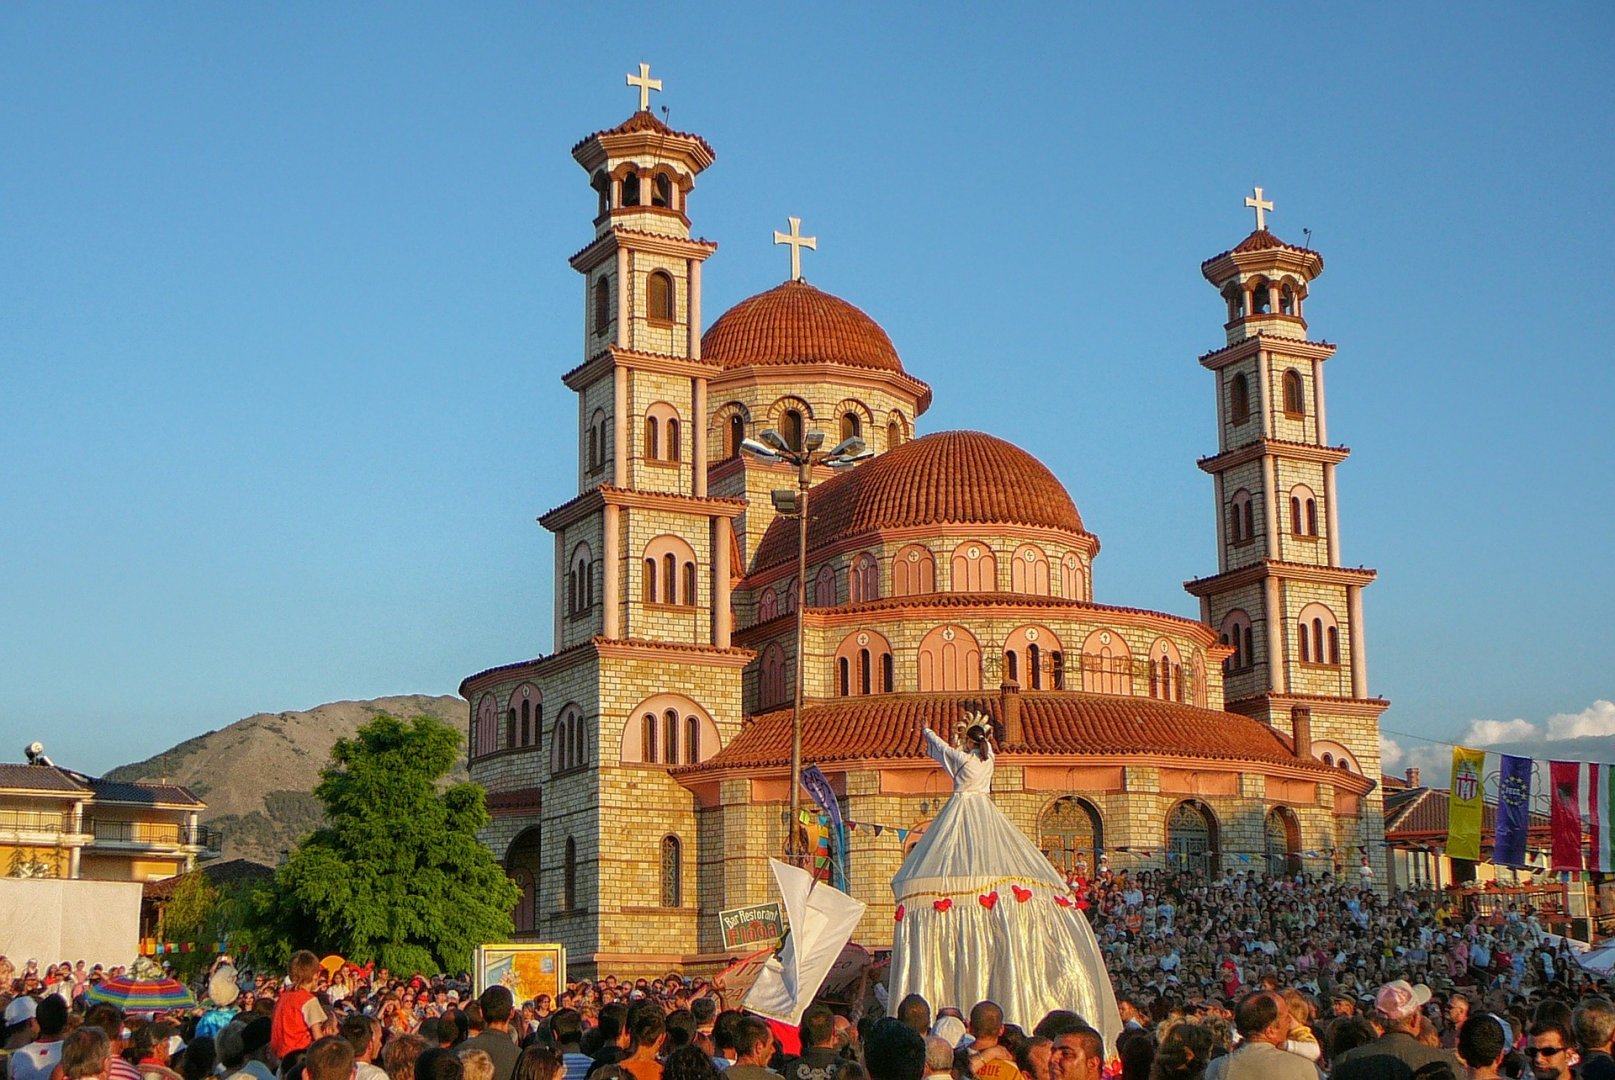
{"x": 154, "y": 834}
{"x": 34, "y": 821}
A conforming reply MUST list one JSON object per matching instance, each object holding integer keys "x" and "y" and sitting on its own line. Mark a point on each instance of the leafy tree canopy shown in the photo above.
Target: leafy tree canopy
{"x": 397, "y": 874}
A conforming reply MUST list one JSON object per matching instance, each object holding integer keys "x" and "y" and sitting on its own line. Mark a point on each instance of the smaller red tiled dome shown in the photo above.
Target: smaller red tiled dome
{"x": 795, "y": 323}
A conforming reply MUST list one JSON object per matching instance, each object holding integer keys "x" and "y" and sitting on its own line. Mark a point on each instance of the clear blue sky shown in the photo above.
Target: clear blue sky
{"x": 284, "y": 298}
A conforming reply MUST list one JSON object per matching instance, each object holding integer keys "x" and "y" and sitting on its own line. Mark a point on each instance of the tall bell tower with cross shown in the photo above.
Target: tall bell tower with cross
{"x": 1289, "y": 614}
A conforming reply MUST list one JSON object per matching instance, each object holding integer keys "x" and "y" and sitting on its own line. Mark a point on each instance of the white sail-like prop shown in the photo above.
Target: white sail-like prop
{"x": 822, "y": 921}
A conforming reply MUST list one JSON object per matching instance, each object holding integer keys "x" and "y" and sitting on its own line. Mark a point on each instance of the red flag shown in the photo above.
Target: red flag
{"x": 1565, "y": 777}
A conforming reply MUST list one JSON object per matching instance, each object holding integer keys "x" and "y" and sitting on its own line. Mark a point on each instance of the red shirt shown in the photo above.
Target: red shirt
{"x": 289, "y": 1029}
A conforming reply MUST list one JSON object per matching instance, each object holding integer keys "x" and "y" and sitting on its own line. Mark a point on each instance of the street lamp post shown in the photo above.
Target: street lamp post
{"x": 775, "y": 448}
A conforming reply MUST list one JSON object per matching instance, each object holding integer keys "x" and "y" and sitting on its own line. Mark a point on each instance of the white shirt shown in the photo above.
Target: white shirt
{"x": 36, "y": 1061}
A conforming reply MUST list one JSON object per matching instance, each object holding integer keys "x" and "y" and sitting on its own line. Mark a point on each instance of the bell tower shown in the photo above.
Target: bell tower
{"x": 1290, "y": 614}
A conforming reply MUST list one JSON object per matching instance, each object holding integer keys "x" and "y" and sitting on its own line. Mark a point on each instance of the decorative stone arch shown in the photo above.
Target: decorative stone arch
{"x": 824, "y": 586}
{"x": 863, "y": 665}
{"x": 661, "y": 727}
{"x": 1262, "y": 301}
{"x": 1166, "y": 671}
{"x": 864, "y": 419}
{"x": 671, "y": 860}
{"x": 1291, "y": 292}
{"x": 1107, "y": 663}
{"x": 1318, "y": 636}
{"x": 599, "y": 440}
{"x": 625, "y": 183}
{"x": 1073, "y": 579}
{"x": 664, "y": 433}
{"x": 731, "y": 423}
{"x": 668, "y": 571}
{"x": 1294, "y": 397}
{"x": 1282, "y": 833}
{"x": 778, "y": 417}
{"x": 767, "y": 605}
{"x": 974, "y": 568}
{"x": 949, "y": 658}
{"x": 1198, "y": 667}
{"x": 913, "y": 571}
{"x": 897, "y": 429}
{"x": 1029, "y": 571}
{"x": 1238, "y": 633}
{"x": 522, "y": 863}
{"x": 1035, "y": 658}
{"x": 485, "y": 726}
{"x": 580, "y": 578}
{"x": 569, "y": 740}
{"x": 1336, "y": 754}
{"x": 1303, "y": 511}
{"x": 771, "y": 684}
{"x": 1241, "y": 517}
{"x": 863, "y": 578}
{"x": 1071, "y": 835}
{"x": 524, "y": 713}
{"x": 1190, "y": 832}
{"x": 1239, "y": 398}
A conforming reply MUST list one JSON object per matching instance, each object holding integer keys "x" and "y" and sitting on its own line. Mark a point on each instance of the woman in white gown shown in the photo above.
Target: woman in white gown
{"x": 982, "y": 915}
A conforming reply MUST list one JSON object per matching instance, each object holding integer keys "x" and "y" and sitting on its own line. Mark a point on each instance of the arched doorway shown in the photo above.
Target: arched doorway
{"x": 521, "y": 866}
{"x": 1283, "y": 842}
{"x": 1191, "y": 838}
{"x": 1072, "y": 836}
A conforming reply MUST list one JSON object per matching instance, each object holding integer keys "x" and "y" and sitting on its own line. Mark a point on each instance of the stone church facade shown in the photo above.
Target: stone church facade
{"x": 638, "y": 774}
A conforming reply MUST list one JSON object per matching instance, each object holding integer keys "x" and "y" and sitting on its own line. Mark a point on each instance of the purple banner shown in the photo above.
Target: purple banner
{"x": 1513, "y": 811}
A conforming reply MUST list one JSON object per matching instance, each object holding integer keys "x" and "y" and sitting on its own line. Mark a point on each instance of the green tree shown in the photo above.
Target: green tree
{"x": 397, "y": 874}
{"x": 196, "y": 915}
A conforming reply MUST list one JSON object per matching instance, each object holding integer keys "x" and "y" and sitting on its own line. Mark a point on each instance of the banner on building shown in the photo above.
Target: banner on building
{"x": 1564, "y": 818}
{"x": 817, "y": 785}
{"x": 1466, "y": 803}
{"x": 1513, "y": 811}
{"x": 751, "y": 926}
{"x": 1600, "y": 843}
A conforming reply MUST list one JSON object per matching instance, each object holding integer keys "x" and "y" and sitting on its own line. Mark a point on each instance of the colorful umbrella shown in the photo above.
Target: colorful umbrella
{"x": 134, "y": 995}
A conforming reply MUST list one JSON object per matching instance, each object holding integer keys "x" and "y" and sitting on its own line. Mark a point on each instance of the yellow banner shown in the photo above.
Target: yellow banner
{"x": 1464, "y": 805}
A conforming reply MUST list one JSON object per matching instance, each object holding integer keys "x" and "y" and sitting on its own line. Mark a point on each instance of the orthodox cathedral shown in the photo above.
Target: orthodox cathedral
{"x": 638, "y": 776}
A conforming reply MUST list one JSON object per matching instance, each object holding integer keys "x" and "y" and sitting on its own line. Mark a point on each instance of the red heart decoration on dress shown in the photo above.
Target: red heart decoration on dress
{"x": 1063, "y": 901}
{"x": 1021, "y": 895}
{"x": 943, "y": 904}
{"x": 897, "y": 916}
{"x": 987, "y": 901}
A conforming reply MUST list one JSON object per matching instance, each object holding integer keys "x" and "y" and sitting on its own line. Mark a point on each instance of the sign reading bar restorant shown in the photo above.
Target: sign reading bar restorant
{"x": 755, "y": 926}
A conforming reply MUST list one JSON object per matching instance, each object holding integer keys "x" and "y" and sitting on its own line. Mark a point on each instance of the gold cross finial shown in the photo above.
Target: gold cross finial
{"x": 646, "y": 84}
{"x": 1260, "y": 207}
{"x": 797, "y": 242}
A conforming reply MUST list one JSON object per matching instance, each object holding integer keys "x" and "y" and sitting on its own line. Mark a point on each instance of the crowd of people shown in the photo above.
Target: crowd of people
{"x": 1241, "y": 975}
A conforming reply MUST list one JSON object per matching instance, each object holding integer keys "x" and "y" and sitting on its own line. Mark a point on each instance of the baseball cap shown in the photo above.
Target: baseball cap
{"x": 1399, "y": 1000}
{"x": 21, "y": 1008}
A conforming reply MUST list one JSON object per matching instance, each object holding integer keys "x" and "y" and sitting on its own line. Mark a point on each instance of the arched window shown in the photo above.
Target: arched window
{"x": 771, "y": 687}
{"x": 949, "y": 659}
{"x": 888, "y": 679}
{"x": 824, "y": 587}
{"x": 687, "y": 597}
{"x": 659, "y": 297}
{"x": 1317, "y": 635}
{"x": 527, "y": 723}
{"x": 859, "y": 657}
{"x": 852, "y": 425}
{"x": 1071, "y": 835}
{"x": 580, "y": 580}
{"x": 1239, "y": 398}
{"x": 675, "y": 566}
{"x": 1236, "y": 633}
{"x": 1241, "y": 517}
{"x": 894, "y": 434}
{"x": 662, "y": 192}
{"x": 1303, "y": 511}
{"x": 647, "y": 738}
{"x": 653, "y": 438}
{"x": 974, "y": 568}
{"x": 597, "y": 440}
{"x": 1072, "y": 581}
{"x": 1107, "y": 664}
{"x": 672, "y": 872}
{"x": 569, "y": 876}
{"x": 630, "y": 189}
{"x": 767, "y": 605}
{"x": 1029, "y": 571}
{"x": 692, "y": 740}
{"x": 671, "y": 450}
{"x": 737, "y": 435}
{"x": 1166, "y": 671}
{"x": 485, "y": 735}
{"x": 650, "y": 580}
{"x": 913, "y": 571}
{"x": 863, "y": 580}
{"x": 670, "y": 573}
{"x": 670, "y": 734}
{"x": 1029, "y": 654}
{"x": 667, "y": 729}
{"x": 793, "y": 425}
{"x": 580, "y": 740}
{"x": 1261, "y": 299}
{"x": 1294, "y": 394}
{"x": 567, "y": 747}
{"x": 522, "y": 863}
{"x": 1236, "y": 301}
{"x": 1283, "y": 841}
{"x": 1191, "y": 838}
{"x": 602, "y": 304}
{"x": 510, "y": 727}
{"x": 602, "y": 189}
{"x": 1198, "y": 673}
{"x": 1287, "y": 299}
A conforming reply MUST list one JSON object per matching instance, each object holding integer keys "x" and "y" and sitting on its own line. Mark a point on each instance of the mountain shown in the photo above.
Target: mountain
{"x": 258, "y": 774}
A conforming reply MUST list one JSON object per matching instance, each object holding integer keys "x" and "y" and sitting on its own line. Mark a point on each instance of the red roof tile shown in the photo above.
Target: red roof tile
{"x": 644, "y": 120}
{"x": 1423, "y": 812}
{"x": 795, "y": 323}
{"x": 1054, "y": 722}
{"x": 949, "y": 478}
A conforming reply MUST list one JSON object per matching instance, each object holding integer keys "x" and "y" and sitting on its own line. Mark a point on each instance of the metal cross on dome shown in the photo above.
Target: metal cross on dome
{"x": 1260, "y": 207}
{"x": 646, "y": 84}
{"x": 797, "y": 242}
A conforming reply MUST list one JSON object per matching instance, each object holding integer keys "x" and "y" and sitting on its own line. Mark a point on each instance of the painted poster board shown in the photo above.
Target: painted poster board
{"x": 528, "y": 970}
{"x": 752, "y": 927}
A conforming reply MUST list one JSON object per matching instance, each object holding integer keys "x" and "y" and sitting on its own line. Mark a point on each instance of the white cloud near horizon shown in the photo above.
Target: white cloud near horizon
{"x": 1434, "y": 760}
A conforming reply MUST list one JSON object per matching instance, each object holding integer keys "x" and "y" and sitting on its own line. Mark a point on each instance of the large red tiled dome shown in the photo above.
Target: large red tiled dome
{"x": 949, "y": 478}
{"x": 795, "y": 323}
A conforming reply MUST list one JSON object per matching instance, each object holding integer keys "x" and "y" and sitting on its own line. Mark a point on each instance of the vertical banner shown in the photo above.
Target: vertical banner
{"x": 1464, "y": 807}
{"x": 817, "y": 785}
{"x": 1564, "y": 778}
{"x": 1513, "y": 811}
{"x": 1600, "y": 845}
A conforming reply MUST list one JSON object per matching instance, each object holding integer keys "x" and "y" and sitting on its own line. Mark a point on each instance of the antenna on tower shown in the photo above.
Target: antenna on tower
{"x": 1307, "y": 236}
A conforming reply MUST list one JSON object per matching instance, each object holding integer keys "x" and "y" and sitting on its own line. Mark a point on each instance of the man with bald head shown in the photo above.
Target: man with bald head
{"x": 988, "y": 1059}
{"x": 1263, "y": 1021}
